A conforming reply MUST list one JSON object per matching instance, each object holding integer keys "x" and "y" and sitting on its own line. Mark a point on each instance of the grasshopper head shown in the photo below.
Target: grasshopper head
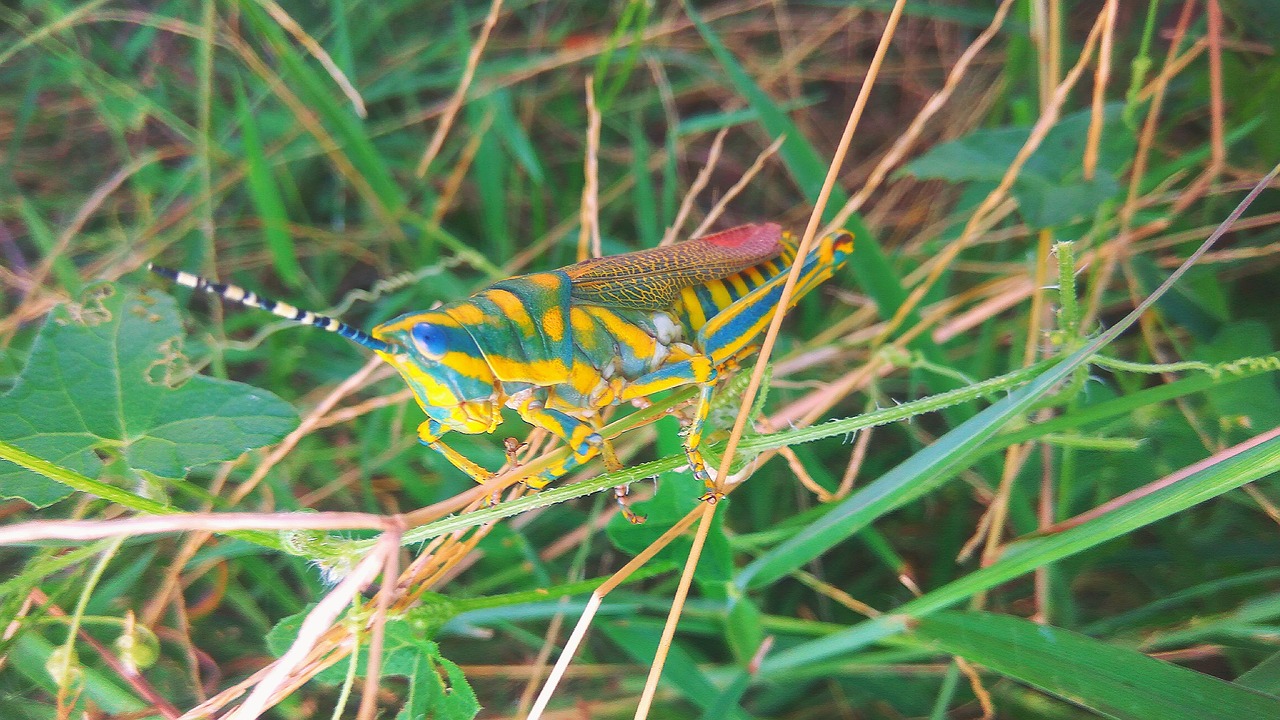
{"x": 444, "y": 368}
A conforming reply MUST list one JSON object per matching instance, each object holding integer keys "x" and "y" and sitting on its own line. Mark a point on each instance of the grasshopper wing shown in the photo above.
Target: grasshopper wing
{"x": 652, "y": 279}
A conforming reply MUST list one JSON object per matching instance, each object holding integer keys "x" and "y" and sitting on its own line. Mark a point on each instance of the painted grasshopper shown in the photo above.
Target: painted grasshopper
{"x": 560, "y": 346}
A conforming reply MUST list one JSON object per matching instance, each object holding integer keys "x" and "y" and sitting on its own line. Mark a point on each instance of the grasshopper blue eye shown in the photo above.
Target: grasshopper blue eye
{"x": 429, "y": 339}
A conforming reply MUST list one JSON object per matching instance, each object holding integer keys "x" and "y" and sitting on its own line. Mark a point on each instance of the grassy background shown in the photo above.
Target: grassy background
{"x": 212, "y": 137}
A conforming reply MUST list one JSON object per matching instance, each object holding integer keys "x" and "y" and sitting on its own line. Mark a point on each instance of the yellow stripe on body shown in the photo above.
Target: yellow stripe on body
{"x": 719, "y": 294}
{"x": 692, "y": 308}
{"x": 637, "y": 341}
{"x": 514, "y": 309}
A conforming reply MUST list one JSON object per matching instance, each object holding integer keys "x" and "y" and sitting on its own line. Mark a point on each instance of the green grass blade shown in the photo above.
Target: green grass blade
{"x": 321, "y": 99}
{"x": 1252, "y": 463}
{"x": 1113, "y": 681}
{"x": 266, "y": 198}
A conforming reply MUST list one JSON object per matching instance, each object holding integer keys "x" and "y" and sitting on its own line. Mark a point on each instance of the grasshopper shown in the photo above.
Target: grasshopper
{"x": 559, "y": 347}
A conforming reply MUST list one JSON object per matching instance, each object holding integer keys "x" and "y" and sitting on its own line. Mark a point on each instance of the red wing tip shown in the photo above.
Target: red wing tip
{"x": 745, "y": 236}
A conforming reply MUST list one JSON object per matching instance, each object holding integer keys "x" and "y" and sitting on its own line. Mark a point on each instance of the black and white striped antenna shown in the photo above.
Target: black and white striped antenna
{"x": 240, "y": 296}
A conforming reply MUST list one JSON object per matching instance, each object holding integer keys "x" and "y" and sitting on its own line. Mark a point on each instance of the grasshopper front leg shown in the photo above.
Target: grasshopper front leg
{"x": 429, "y": 434}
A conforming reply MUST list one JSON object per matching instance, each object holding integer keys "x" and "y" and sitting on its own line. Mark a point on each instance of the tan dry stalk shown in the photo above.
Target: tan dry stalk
{"x": 1117, "y": 249}
{"x": 593, "y": 605}
{"x": 1100, "y": 82}
{"x": 310, "y": 45}
{"x": 458, "y": 173}
{"x": 738, "y": 187}
{"x": 770, "y": 338}
{"x": 708, "y": 511}
{"x": 460, "y": 94}
{"x": 589, "y": 212}
{"x": 699, "y": 182}
{"x": 314, "y": 127}
{"x": 85, "y": 530}
{"x": 317, "y": 623}
{"x": 908, "y": 138}
{"x": 27, "y": 309}
{"x": 1047, "y": 119}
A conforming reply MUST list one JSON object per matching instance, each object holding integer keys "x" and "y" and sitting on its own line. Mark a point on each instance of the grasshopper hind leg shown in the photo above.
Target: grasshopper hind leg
{"x": 585, "y": 442}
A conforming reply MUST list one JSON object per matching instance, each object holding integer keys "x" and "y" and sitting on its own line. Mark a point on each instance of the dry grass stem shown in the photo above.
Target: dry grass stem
{"x": 708, "y": 511}
{"x": 539, "y": 664}
{"x": 308, "y": 424}
{"x": 1217, "y": 141}
{"x": 28, "y": 310}
{"x": 85, "y": 530}
{"x": 309, "y": 43}
{"x": 1146, "y": 138}
{"x": 460, "y": 94}
{"x": 373, "y": 670}
{"x": 566, "y": 655}
{"x": 1100, "y": 80}
{"x": 589, "y": 213}
{"x": 1048, "y": 117}
{"x": 905, "y": 141}
{"x": 738, "y": 187}
{"x": 699, "y": 182}
{"x": 856, "y": 458}
{"x": 318, "y": 622}
{"x": 307, "y": 118}
{"x": 458, "y": 174}
{"x": 979, "y": 690}
{"x": 828, "y": 590}
{"x": 806, "y": 241}
{"x": 593, "y": 605}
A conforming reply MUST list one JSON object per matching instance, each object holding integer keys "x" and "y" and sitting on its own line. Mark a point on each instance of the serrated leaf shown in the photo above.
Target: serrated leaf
{"x": 100, "y": 383}
{"x": 440, "y": 691}
{"x": 438, "y": 688}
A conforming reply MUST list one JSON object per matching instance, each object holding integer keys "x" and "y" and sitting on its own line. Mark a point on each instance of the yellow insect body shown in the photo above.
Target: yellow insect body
{"x": 559, "y": 346}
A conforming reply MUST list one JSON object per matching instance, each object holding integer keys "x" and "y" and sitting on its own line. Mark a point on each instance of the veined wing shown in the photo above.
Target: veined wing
{"x": 652, "y": 279}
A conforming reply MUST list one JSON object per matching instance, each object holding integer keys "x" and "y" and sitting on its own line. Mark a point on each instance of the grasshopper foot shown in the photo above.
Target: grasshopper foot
{"x": 622, "y": 493}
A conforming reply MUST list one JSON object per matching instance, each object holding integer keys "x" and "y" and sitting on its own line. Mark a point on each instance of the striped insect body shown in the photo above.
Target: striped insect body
{"x": 560, "y": 346}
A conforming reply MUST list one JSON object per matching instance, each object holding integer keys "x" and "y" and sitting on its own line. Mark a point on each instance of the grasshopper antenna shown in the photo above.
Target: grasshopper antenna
{"x": 240, "y": 296}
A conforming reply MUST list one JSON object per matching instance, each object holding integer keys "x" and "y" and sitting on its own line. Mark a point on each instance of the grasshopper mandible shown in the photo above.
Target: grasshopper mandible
{"x": 559, "y": 347}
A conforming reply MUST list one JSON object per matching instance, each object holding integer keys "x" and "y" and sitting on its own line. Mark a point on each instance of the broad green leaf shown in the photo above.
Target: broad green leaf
{"x": 1114, "y": 681}
{"x": 102, "y": 381}
{"x": 1051, "y": 189}
{"x": 1265, "y": 676}
{"x": 403, "y": 643}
